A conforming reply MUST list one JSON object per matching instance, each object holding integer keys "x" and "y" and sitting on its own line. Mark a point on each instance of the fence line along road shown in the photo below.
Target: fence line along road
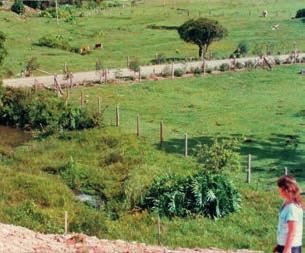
{"x": 112, "y": 74}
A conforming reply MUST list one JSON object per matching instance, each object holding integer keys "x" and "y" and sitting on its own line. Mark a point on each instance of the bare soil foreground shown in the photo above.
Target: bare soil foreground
{"x": 15, "y": 239}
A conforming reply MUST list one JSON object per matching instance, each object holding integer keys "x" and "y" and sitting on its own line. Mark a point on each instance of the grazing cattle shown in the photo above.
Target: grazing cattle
{"x": 275, "y": 27}
{"x": 98, "y": 46}
{"x": 265, "y": 13}
{"x": 84, "y": 50}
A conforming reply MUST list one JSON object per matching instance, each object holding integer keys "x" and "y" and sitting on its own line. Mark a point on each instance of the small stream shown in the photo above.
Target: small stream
{"x": 13, "y": 137}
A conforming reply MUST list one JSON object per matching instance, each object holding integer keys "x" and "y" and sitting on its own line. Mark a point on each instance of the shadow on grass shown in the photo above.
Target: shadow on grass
{"x": 270, "y": 155}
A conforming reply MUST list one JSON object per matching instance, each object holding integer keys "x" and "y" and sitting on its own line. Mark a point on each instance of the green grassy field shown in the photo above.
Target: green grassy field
{"x": 264, "y": 109}
{"x": 124, "y": 32}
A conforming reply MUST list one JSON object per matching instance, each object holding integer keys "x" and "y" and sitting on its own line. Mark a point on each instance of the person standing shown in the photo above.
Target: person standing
{"x": 290, "y": 224}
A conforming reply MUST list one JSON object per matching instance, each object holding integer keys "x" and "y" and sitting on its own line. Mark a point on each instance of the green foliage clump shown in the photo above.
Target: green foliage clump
{"x": 202, "y": 32}
{"x": 111, "y": 3}
{"x": 224, "y": 67}
{"x": 75, "y": 118}
{"x": 300, "y": 13}
{"x": 74, "y": 175}
{"x": 42, "y": 110}
{"x": 239, "y": 65}
{"x": 219, "y": 156}
{"x": 18, "y": 7}
{"x": 196, "y": 71}
{"x": 179, "y": 72}
{"x": 211, "y": 195}
{"x": 54, "y": 42}
{"x": 65, "y": 12}
{"x": 134, "y": 65}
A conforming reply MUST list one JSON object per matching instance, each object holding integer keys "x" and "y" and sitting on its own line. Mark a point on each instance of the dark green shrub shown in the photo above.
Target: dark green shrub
{"x": 18, "y": 7}
{"x": 209, "y": 70}
{"x": 179, "y": 72}
{"x": 239, "y": 65}
{"x": 43, "y": 110}
{"x": 21, "y": 108}
{"x": 277, "y": 61}
{"x": 197, "y": 71}
{"x": 224, "y": 67}
{"x": 209, "y": 195}
{"x": 134, "y": 65}
{"x": 33, "y": 4}
{"x": 300, "y": 13}
{"x": 249, "y": 64}
{"x": 219, "y": 156}
{"x": 241, "y": 50}
{"x": 74, "y": 118}
{"x": 73, "y": 175}
{"x": 54, "y": 42}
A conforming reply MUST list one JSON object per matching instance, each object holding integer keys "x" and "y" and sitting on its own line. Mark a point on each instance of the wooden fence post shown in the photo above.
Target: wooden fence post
{"x": 67, "y": 97}
{"x": 161, "y": 133}
{"x": 185, "y": 145}
{"x": 138, "y": 125}
{"x": 249, "y": 169}
{"x": 159, "y": 230}
{"x": 35, "y": 85}
{"x": 66, "y": 222}
{"x": 99, "y": 105}
{"x": 286, "y": 171}
{"x": 106, "y": 76}
{"x": 82, "y": 99}
{"x": 117, "y": 116}
{"x": 71, "y": 80}
{"x": 172, "y": 70}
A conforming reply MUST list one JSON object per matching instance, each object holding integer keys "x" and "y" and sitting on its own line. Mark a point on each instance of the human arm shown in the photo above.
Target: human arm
{"x": 291, "y": 233}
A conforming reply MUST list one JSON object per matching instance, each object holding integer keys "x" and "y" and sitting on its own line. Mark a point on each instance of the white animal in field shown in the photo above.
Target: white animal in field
{"x": 275, "y": 27}
{"x": 265, "y": 13}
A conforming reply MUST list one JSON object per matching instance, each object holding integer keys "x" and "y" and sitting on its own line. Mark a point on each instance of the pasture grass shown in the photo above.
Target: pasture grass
{"x": 124, "y": 32}
{"x": 264, "y": 109}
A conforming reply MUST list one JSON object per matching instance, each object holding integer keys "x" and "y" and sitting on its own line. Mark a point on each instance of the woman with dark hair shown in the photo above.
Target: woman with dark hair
{"x": 290, "y": 226}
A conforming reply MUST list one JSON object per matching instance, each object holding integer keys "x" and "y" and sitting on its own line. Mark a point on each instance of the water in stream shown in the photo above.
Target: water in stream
{"x": 13, "y": 137}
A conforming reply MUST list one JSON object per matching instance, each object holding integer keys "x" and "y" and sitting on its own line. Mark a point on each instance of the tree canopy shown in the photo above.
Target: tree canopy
{"x": 202, "y": 32}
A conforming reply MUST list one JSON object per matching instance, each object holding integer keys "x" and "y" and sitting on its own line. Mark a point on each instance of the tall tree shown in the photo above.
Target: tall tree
{"x": 202, "y": 32}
